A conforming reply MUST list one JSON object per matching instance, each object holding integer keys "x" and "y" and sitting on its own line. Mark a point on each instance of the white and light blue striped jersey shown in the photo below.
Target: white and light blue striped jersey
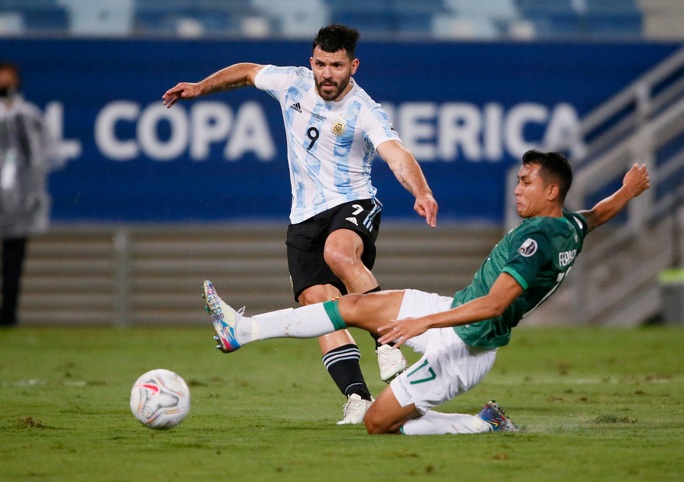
{"x": 330, "y": 145}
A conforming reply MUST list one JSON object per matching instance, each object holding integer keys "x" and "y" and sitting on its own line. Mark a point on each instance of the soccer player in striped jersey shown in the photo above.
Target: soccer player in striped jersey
{"x": 458, "y": 336}
{"x": 333, "y": 130}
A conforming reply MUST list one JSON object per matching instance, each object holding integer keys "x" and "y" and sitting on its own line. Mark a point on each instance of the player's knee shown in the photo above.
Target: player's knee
{"x": 317, "y": 294}
{"x": 372, "y": 427}
{"x": 375, "y": 422}
{"x": 308, "y": 298}
{"x": 340, "y": 262}
{"x": 352, "y": 307}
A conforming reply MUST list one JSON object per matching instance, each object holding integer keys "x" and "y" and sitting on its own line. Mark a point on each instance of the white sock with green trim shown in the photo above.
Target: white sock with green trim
{"x": 437, "y": 423}
{"x": 309, "y": 321}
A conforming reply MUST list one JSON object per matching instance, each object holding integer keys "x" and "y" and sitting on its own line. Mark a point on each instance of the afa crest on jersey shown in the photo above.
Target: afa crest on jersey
{"x": 338, "y": 127}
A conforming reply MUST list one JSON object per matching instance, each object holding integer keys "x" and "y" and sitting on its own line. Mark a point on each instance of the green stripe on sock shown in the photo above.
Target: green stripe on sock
{"x": 333, "y": 312}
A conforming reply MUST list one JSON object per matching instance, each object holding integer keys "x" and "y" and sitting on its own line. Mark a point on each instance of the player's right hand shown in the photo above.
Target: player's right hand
{"x": 427, "y": 207}
{"x": 182, "y": 90}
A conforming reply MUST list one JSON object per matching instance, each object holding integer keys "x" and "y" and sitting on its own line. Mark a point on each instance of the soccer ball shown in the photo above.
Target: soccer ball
{"x": 160, "y": 399}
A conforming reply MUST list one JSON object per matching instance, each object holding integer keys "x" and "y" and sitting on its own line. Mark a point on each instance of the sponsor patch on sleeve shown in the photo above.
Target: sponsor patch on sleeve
{"x": 528, "y": 248}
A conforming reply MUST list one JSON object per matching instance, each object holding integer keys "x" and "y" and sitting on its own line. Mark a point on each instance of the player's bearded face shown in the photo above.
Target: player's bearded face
{"x": 332, "y": 72}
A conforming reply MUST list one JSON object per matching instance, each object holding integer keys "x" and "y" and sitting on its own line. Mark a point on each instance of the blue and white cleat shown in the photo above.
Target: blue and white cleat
{"x": 494, "y": 415}
{"x": 224, "y": 319}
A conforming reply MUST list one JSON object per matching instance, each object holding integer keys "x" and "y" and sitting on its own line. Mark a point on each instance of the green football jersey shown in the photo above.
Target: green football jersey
{"x": 538, "y": 253}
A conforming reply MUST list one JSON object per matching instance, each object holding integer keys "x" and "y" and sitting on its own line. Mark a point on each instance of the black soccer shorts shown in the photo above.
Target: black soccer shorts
{"x": 306, "y": 240}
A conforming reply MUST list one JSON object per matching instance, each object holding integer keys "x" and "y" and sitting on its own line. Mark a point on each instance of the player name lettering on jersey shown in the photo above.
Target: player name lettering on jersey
{"x": 567, "y": 257}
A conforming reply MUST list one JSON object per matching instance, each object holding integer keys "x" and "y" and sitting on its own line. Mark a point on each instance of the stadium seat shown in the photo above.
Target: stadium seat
{"x": 457, "y": 27}
{"x": 468, "y": 19}
{"x": 613, "y": 18}
{"x": 38, "y": 15}
{"x": 11, "y": 23}
{"x": 294, "y": 18}
{"x": 552, "y": 18}
{"x": 99, "y": 17}
{"x": 197, "y": 17}
{"x": 490, "y": 9}
{"x": 26, "y": 4}
{"x": 370, "y": 17}
{"x": 415, "y": 18}
{"x": 585, "y": 19}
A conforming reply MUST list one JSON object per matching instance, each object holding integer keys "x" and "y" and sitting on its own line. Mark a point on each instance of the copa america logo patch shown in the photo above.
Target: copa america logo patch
{"x": 528, "y": 248}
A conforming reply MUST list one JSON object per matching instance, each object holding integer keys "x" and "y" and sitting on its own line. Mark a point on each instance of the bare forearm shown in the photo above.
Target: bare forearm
{"x": 232, "y": 77}
{"x": 404, "y": 167}
{"x": 501, "y": 295}
{"x": 503, "y": 292}
{"x": 635, "y": 182}
{"x": 474, "y": 311}
{"x": 408, "y": 173}
{"x": 229, "y": 78}
{"x": 606, "y": 209}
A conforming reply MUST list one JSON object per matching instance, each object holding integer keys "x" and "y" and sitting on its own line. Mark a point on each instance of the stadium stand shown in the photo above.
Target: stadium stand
{"x": 99, "y": 17}
{"x": 293, "y": 18}
{"x": 552, "y": 19}
{"x": 415, "y": 18}
{"x": 587, "y": 19}
{"x": 369, "y": 17}
{"x": 465, "y": 19}
{"x": 398, "y": 19}
{"x": 192, "y": 18}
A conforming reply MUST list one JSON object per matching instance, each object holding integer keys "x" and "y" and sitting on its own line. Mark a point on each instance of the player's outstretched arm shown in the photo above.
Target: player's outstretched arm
{"x": 502, "y": 293}
{"x": 634, "y": 183}
{"x": 408, "y": 172}
{"x": 232, "y": 77}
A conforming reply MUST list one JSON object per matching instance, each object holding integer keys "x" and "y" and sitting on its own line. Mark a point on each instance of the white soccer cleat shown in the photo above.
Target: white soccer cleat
{"x": 391, "y": 361}
{"x": 355, "y": 409}
{"x": 223, "y": 317}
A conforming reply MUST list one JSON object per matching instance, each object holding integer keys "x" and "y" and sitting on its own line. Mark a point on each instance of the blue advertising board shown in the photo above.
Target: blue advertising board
{"x": 466, "y": 110}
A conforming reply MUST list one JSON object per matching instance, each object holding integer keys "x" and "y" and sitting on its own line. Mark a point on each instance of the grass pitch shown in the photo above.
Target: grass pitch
{"x": 594, "y": 404}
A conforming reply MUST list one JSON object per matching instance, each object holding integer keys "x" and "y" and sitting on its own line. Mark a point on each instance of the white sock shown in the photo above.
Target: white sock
{"x": 437, "y": 423}
{"x": 309, "y": 321}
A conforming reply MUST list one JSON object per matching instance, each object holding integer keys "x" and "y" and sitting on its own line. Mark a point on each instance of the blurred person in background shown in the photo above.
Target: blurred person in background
{"x": 26, "y": 150}
{"x": 333, "y": 131}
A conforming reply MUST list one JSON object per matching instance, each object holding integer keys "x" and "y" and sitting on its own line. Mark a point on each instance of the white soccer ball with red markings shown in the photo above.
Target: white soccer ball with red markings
{"x": 160, "y": 399}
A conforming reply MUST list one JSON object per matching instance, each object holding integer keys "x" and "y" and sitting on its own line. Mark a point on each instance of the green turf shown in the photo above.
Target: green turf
{"x": 594, "y": 404}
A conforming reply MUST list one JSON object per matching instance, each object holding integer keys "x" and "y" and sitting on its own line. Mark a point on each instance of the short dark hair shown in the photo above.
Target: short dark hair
{"x": 337, "y": 37}
{"x": 555, "y": 167}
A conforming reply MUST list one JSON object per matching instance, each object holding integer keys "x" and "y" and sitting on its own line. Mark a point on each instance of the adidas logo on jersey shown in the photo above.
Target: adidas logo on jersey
{"x": 352, "y": 220}
{"x": 296, "y": 107}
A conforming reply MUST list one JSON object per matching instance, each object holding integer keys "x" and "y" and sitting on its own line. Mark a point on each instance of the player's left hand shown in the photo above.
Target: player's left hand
{"x": 398, "y": 331}
{"x": 427, "y": 207}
